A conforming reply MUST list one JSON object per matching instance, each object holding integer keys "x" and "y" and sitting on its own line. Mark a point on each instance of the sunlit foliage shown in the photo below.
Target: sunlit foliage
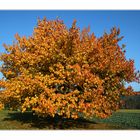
{"x": 65, "y": 72}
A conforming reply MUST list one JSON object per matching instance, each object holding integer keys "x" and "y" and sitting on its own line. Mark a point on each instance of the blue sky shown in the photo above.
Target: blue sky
{"x": 23, "y": 22}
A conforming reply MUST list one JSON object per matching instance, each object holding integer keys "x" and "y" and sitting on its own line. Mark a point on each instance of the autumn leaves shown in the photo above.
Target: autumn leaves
{"x": 61, "y": 71}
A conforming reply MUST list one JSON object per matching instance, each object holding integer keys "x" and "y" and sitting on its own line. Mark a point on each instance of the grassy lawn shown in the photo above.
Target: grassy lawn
{"x": 122, "y": 119}
{"x": 125, "y": 118}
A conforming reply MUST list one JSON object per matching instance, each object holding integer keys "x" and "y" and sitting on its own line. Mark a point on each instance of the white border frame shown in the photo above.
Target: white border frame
{"x": 69, "y": 4}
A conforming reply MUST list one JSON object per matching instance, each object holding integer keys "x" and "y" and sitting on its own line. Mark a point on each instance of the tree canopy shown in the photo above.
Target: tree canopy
{"x": 66, "y": 72}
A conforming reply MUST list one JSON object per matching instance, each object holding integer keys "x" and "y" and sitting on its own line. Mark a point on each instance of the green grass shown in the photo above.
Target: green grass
{"x": 122, "y": 119}
{"x": 129, "y": 110}
{"x": 127, "y": 118}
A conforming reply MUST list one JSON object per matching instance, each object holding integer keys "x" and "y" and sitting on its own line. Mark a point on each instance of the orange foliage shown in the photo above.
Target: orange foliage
{"x": 61, "y": 71}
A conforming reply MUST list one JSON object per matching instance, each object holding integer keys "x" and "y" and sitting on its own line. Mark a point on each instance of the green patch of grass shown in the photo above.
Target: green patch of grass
{"x": 9, "y": 123}
{"x": 129, "y": 110}
{"x": 122, "y": 119}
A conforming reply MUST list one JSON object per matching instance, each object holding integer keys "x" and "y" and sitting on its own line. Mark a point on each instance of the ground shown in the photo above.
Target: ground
{"x": 122, "y": 119}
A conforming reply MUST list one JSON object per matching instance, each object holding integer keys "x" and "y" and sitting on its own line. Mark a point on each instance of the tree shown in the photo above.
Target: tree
{"x": 66, "y": 72}
{"x": 132, "y": 102}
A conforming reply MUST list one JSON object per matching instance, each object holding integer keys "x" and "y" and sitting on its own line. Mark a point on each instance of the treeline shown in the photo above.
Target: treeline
{"x": 131, "y": 102}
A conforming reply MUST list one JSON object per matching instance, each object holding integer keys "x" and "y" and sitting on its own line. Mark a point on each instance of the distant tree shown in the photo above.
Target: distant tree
{"x": 66, "y": 72}
{"x": 132, "y": 102}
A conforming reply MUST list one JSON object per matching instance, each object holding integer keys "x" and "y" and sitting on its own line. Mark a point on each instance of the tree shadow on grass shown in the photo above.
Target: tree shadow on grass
{"x": 49, "y": 123}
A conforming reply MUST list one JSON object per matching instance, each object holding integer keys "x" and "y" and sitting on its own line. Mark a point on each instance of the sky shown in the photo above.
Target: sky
{"x": 23, "y": 22}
